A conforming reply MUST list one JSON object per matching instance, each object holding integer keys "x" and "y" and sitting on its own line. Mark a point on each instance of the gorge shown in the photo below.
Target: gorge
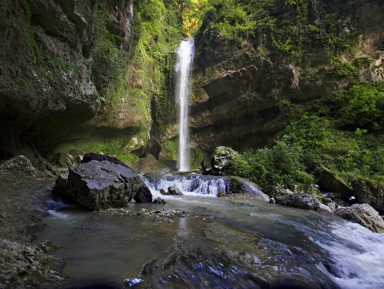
{"x": 285, "y": 109}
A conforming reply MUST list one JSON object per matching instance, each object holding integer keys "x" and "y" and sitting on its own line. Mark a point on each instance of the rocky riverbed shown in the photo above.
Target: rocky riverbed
{"x": 24, "y": 264}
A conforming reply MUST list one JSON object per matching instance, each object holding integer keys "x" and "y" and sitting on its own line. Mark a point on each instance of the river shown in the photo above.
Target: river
{"x": 201, "y": 241}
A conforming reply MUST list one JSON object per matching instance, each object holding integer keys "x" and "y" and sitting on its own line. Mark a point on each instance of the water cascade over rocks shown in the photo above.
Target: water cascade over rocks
{"x": 198, "y": 185}
{"x": 185, "y": 53}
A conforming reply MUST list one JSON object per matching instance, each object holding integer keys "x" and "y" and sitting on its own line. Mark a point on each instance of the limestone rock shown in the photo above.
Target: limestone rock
{"x": 302, "y": 201}
{"x": 328, "y": 182}
{"x": 101, "y": 185}
{"x": 222, "y": 156}
{"x": 366, "y": 192}
{"x": 363, "y": 214}
{"x": 17, "y": 166}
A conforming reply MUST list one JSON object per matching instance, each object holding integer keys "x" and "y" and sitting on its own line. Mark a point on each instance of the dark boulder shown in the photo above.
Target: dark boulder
{"x": 328, "y": 182}
{"x": 366, "y": 192}
{"x": 363, "y": 214}
{"x": 143, "y": 195}
{"x": 102, "y": 184}
{"x": 302, "y": 201}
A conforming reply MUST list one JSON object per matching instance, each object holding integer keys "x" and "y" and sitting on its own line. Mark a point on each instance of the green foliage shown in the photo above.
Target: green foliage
{"x": 362, "y": 106}
{"x": 108, "y": 145}
{"x": 109, "y": 61}
{"x": 278, "y": 165}
{"x": 291, "y": 26}
{"x": 318, "y": 141}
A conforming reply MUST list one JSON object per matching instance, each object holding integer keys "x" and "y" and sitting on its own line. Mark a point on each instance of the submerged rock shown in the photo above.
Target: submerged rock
{"x": 102, "y": 184}
{"x": 363, "y": 214}
{"x": 302, "y": 201}
{"x": 159, "y": 200}
{"x": 366, "y": 192}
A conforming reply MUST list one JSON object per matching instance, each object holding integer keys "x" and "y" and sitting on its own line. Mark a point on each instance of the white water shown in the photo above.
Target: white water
{"x": 190, "y": 185}
{"x": 184, "y": 58}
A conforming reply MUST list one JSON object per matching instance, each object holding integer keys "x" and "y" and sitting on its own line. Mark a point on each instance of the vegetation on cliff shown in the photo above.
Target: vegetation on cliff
{"x": 343, "y": 133}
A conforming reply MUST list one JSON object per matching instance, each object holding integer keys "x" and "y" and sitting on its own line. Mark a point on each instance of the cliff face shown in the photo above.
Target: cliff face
{"x": 50, "y": 77}
{"x": 248, "y": 87}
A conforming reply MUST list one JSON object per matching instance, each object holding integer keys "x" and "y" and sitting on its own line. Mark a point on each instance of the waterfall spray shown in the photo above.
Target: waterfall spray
{"x": 185, "y": 53}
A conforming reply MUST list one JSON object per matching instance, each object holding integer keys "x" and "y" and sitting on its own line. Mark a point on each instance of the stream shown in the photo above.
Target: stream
{"x": 201, "y": 241}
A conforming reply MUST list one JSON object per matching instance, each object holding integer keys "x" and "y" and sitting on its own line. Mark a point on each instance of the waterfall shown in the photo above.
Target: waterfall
{"x": 185, "y": 53}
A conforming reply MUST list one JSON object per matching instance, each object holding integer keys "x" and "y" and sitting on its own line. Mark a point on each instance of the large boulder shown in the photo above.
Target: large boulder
{"x": 363, "y": 214}
{"x": 222, "y": 156}
{"x": 366, "y": 192}
{"x": 302, "y": 201}
{"x": 328, "y": 182}
{"x": 102, "y": 184}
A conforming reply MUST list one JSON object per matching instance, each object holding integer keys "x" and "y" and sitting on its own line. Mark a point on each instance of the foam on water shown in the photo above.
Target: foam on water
{"x": 358, "y": 256}
{"x": 191, "y": 185}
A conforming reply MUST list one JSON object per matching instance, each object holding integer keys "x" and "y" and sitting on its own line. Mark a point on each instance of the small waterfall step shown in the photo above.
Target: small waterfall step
{"x": 203, "y": 185}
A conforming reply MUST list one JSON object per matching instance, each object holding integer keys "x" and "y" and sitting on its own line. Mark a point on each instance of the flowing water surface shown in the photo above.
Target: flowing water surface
{"x": 213, "y": 243}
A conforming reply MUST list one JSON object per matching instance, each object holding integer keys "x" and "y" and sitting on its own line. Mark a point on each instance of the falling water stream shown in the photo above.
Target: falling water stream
{"x": 212, "y": 243}
{"x": 184, "y": 58}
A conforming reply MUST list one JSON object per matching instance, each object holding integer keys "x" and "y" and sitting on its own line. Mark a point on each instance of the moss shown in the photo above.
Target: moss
{"x": 108, "y": 145}
{"x": 197, "y": 156}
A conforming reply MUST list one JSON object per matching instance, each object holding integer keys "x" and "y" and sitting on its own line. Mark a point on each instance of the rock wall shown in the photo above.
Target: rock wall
{"x": 51, "y": 66}
{"x": 246, "y": 90}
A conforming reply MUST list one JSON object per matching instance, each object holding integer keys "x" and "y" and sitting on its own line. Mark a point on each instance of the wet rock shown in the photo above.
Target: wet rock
{"x": 27, "y": 266}
{"x": 159, "y": 200}
{"x": 60, "y": 187}
{"x": 325, "y": 208}
{"x": 363, "y": 214}
{"x": 328, "y": 182}
{"x": 302, "y": 201}
{"x": 333, "y": 206}
{"x": 143, "y": 195}
{"x": 243, "y": 186}
{"x": 172, "y": 191}
{"x": 102, "y": 184}
{"x": 366, "y": 192}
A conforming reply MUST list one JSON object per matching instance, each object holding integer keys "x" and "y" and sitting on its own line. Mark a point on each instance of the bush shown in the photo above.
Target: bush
{"x": 362, "y": 107}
